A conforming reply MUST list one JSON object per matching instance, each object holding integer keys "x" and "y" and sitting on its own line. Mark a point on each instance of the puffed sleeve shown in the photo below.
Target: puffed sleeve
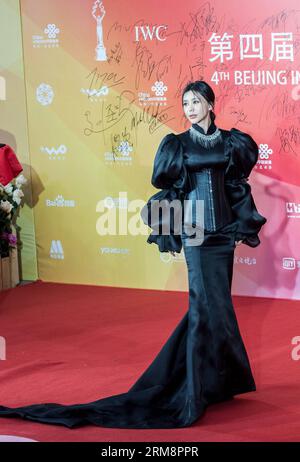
{"x": 243, "y": 154}
{"x": 168, "y": 167}
{"x": 170, "y": 175}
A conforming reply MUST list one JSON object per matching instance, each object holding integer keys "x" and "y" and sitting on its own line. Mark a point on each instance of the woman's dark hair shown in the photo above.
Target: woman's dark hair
{"x": 200, "y": 86}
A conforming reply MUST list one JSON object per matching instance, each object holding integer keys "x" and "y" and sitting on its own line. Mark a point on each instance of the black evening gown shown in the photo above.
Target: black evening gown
{"x": 204, "y": 360}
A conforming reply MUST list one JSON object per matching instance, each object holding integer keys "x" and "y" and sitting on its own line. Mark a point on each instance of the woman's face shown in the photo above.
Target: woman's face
{"x": 195, "y": 107}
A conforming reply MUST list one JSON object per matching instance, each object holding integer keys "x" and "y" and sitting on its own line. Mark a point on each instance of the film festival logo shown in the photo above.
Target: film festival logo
{"x": 165, "y": 217}
{"x": 98, "y": 7}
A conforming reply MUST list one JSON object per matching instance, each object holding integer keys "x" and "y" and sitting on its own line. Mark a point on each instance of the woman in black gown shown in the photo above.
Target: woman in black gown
{"x": 204, "y": 359}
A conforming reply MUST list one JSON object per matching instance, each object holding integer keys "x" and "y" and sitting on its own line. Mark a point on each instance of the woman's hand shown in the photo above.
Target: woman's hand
{"x": 238, "y": 242}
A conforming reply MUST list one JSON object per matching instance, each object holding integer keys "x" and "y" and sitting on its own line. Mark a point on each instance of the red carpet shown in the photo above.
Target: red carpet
{"x": 76, "y": 343}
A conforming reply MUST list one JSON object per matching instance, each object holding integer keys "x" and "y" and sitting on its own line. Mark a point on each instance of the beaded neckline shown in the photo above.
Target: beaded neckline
{"x": 205, "y": 140}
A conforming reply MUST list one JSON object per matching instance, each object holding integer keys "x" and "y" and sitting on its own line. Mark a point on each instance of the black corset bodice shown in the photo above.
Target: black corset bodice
{"x": 208, "y": 185}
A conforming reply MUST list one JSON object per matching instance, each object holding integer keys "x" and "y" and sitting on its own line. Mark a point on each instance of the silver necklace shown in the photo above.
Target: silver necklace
{"x": 207, "y": 141}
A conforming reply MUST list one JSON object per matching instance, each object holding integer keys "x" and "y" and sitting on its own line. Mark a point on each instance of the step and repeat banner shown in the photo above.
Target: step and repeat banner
{"x": 13, "y": 126}
{"x": 104, "y": 82}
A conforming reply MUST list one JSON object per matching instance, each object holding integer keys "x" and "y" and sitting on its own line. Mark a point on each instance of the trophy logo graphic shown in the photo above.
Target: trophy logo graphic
{"x": 100, "y": 49}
